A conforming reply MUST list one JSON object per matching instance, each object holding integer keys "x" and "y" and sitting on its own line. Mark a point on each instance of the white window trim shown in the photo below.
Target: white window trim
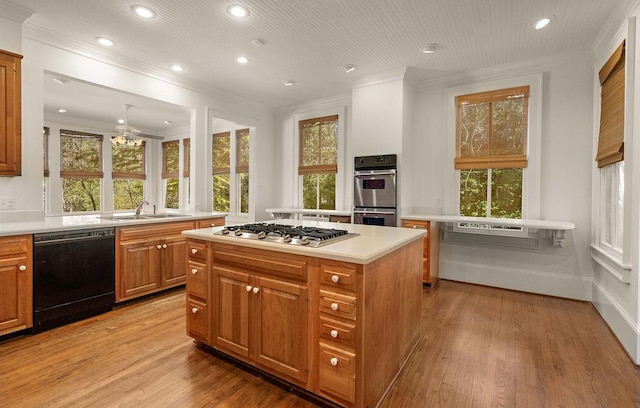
{"x": 531, "y": 174}
{"x": 340, "y": 176}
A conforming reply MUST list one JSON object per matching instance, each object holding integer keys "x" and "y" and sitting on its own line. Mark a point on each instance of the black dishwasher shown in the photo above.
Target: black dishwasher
{"x": 73, "y": 276}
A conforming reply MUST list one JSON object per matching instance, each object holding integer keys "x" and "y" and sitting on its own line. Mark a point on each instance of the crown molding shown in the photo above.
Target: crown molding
{"x": 380, "y": 78}
{"x": 94, "y": 52}
{"x": 615, "y": 22}
{"x": 15, "y": 12}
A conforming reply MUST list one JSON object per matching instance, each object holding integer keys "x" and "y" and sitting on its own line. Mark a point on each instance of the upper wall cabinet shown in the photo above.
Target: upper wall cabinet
{"x": 10, "y": 114}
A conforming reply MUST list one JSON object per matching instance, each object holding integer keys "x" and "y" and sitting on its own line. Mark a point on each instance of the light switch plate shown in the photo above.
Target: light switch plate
{"x": 7, "y": 203}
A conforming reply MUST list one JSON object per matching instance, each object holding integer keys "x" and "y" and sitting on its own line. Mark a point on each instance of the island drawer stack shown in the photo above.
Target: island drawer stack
{"x": 337, "y": 332}
{"x": 198, "y": 290}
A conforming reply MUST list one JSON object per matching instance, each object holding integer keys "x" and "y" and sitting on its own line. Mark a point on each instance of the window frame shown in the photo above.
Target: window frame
{"x": 531, "y": 173}
{"x": 166, "y": 175}
{"x": 122, "y": 175}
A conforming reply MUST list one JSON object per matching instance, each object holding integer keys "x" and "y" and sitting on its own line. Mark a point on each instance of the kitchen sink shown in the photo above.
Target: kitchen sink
{"x": 124, "y": 217}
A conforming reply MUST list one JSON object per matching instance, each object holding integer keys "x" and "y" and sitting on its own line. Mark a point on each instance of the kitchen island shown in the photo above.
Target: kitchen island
{"x": 338, "y": 320}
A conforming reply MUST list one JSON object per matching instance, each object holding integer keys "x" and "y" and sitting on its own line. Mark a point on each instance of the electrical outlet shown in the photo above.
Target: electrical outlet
{"x": 7, "y": 203}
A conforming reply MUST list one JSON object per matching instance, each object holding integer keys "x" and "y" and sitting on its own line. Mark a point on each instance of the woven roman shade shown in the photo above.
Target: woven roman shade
{"x": 128, "y": 162}
{"x": 170, "y": 157}
{"x": 186, "y": 143}
{"x": 242, "y": 151}
{"x": 221, "y": 153}
{"x": 611, "y": 137}
{"x": 80, "y": 154}
{"x": 318, "y": 145}
{"x": 491, "y": 129}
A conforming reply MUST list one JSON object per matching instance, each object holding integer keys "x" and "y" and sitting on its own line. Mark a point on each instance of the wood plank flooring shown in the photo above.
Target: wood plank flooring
{"x": 481, "y": 347}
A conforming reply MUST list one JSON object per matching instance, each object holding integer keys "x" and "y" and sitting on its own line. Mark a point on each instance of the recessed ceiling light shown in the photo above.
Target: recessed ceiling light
{"x": 242, "y": 60}
{"x": 60, "y": 81}
{"x": 144, "y": 12}
{"x": 238, "y": 11}
{"x": 62, "y": 110}
{"x": 177, "y": 67}
{"x": 258, "y": 42}
{"x": 121, "y": 121}
{"x": 105, "y": 41}
{"x": 167, "y": 122}
{"x": 288, "y": 83}
{"x": 349, "y": 68}
{"x": 429, "y": 49}
{"x": 542, "y": 23}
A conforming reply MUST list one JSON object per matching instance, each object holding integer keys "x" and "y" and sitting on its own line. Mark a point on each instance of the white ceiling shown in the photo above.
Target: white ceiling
{"x": 309, "y": 41}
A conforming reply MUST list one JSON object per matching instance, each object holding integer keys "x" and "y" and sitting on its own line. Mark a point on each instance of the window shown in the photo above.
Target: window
{"x": 610, "y": 154}
{"x": 318, "y": 162}
{"x": 170, "y": 173}
{"x": 45, "y": 158}
{"x": 80, "y": 170}
{"x": 221, "y": 171}
{"x": 186, "y": 174}
{"x": 242, "y": 169}
{"x": 128, "y": 164}
{"x": 491, "y": 152}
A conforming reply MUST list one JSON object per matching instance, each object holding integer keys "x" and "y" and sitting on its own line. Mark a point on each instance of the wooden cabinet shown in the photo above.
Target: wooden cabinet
{"x": 150, "y": 258}
{"x": 340, "y": 218}
{"x": 16, "y": 283}
{"x": 10, "y": 114}
{"x": 198, "y": 316}
{"x": 259, "y": 316}
{"x": 430, "y": 259}
{"x": 210, "y": 222}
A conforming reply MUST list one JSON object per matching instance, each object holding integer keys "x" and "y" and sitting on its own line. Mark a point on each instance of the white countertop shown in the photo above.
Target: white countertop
{"x": 372, "y": 243}
{"x": 76, "y": 222}
{"x": 506, "y": 222}
{"x": 273, "y": 211}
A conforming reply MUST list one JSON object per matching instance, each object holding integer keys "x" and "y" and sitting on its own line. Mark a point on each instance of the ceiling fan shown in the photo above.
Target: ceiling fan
{"x": 128, "y": 135}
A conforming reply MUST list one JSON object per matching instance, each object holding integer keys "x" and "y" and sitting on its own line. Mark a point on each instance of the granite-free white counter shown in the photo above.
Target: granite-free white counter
{"x": 372, "y": 243}
{"x": 76, "y": 222}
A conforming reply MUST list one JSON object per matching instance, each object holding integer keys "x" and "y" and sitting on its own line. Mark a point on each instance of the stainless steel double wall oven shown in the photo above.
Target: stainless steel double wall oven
{"x": 374, "y": 191}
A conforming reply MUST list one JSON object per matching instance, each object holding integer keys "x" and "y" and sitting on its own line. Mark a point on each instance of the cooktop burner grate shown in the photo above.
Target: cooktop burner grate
{"x": 287, "y": 234}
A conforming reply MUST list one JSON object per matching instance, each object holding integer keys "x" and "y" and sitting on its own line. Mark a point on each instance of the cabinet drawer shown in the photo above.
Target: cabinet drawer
{"x": 267, "y": 262}
{"x": 15, "y": 245}
{"x": 210, "y": 222}
{"x": 339, "y": 332}
{"x": 197, "y": 251}
{"x": 197, "y": 319}
{"x": 161, "y": 231}
{"x": 338, "y": 305}
{"x": 197, "y": 280}
{"x": 338, "y": 276}
{"x": 337, "y": 373}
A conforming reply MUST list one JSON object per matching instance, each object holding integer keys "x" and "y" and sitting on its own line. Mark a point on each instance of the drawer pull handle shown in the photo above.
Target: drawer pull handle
{"x": 164, "y": 246}
{"x": 159, "y": 246}
{"x": 334, "y": 361}
{"x": 256, "y": 290}
{"x": 248, "y": 288}
{"x": 194, "y": 310}
{"x": 335, "y": 278}
{"x": 23, "y": 267}
{"x": 334, "y": 306}
{"x": 194, "y": 251}
{"x": 334, "y": 334}
{"x": 194, "y": 271}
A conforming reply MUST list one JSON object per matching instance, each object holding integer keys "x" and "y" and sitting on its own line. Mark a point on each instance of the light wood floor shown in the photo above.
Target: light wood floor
{"x": 481, "y": 347}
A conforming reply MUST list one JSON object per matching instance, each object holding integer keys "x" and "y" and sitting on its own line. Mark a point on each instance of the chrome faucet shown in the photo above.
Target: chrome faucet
{"x": 140, "y": 204}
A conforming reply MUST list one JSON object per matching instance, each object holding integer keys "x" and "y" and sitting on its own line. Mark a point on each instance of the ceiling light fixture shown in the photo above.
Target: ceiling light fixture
{"x": 259, "y": 42}
{"x": 542, "y": 23}
{"x": 242, "y": 60}
{"x": 144, "y": 12}
{"x": 238, "y": 11}
{"x": 288, "y": 83}
{"x": 349, "y": 68}
{"x": 105, "y": 41}
{"x": 177, "y": 67}
{"x": 430, "y": 49}
{"x": 129, "y": 136}
{"x": 167, "y": 122}
{"x": 60, "y": 81}
{"x": 121, "y": 121}
{"x": 62, "y": 110}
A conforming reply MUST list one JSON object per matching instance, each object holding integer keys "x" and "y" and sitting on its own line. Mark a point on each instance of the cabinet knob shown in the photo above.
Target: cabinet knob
{"x": 164, "y": 246}
{"x": 159, "y": 246}
{"x": 248, "y": 288}
{"x": 23, "y": 267}
{"x": 415, "y": 226}
{"x": 335, "y": 278}
{"x": 334, "y": 361}
{"x": 256, "y": 290}
{"x": 334, "y": 306}
{"x": 194, "y": 251}
{"x": 194, "y": 271}
{"x": 213, "y": 224}
{"x": 334, "y": 334}
{"x": 194, "y": 310}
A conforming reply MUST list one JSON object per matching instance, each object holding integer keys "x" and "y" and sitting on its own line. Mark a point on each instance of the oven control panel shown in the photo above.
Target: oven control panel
{"x": 385, "y": 161}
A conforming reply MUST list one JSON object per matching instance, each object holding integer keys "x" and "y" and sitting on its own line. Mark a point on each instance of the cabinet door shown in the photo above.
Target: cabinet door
{"x": 231, "y": 311}
{"x": 10, "y": 114}
{"x": 174, "y": 260}
{"x": 15, "y": 294}
{"x": 140, "y": 266}
{"x": 281, "y": 331}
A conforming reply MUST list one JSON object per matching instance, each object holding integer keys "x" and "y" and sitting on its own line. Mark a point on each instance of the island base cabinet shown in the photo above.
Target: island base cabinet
{"x": 337, "y": 370}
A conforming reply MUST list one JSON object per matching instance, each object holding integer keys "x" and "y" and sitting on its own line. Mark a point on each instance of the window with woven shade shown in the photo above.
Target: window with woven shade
{"x": 222, "y": 172}
{"x": 128, "y": 174}
{"x": 318, "y": 161}
{"x": 80, "y": 170}
{"x": 611, "y": 135}
{"x": 242, "y": 169}
{"x": 170, "y": 173}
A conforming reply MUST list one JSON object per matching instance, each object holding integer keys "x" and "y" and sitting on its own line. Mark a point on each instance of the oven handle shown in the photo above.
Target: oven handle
{"x": 374, "y": 212}
{"x": 374, "y": 173}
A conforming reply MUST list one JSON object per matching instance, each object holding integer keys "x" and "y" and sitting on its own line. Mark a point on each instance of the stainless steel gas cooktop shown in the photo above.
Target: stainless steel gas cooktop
{"x": 287, "y": 234}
